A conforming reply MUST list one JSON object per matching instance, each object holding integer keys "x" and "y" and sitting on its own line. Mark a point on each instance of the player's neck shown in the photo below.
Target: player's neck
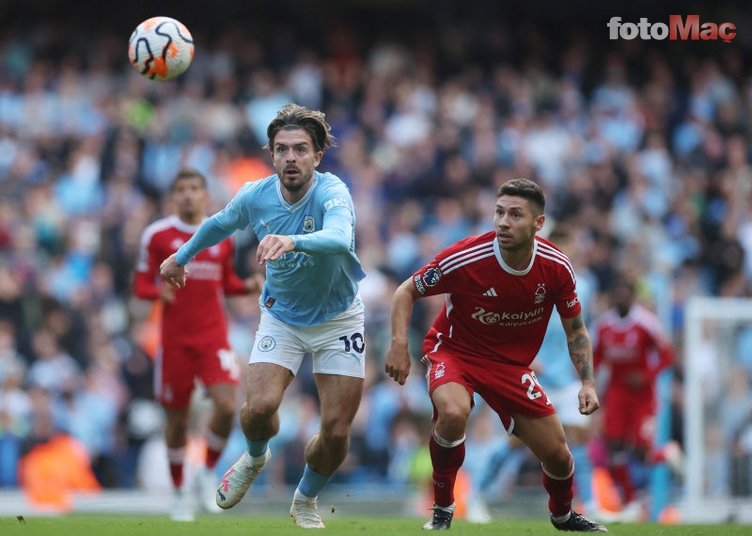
{"x": 517, "y": 259}
{"x": 190, "y": 219}
{"x": 622, "y": 312}
{"x": 293, "y": 197}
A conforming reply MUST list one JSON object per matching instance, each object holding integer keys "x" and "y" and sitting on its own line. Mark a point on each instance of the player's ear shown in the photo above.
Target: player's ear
{"x": 540, "y": 220}
{"x": 317, "y": 158}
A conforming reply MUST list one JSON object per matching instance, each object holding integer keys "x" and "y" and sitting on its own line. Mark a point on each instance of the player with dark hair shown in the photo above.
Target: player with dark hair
{"x": 630, "y": 342}
{"x": 192, "y": 347}
{"x": 500, "y": 289}
{"x": 305, "y": 221}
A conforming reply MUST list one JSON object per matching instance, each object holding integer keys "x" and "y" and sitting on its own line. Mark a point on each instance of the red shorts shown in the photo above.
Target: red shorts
{"x": 629, "y": 417}
{"x": 508, "y": 389}
{"x": 179, "y": 365}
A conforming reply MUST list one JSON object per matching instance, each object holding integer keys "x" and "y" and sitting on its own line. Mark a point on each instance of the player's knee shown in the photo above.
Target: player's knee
{"x": 558, "y": 461}
{"x": 335, "y": 433}
{"x": 225, "y": 407}
{"x": 176, "y": 430}
{"x": 452, "y": 417}
{"x": 261, "y": 410}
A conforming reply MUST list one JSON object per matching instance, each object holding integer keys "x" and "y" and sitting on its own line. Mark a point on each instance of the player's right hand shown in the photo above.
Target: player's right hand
{"x": 398, "y": 362}
{"x": 172, "y": 272}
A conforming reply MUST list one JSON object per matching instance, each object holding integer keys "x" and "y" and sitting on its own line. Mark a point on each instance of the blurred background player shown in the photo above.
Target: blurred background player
{"x": 500, "y": 289}
{"x": 194, "y": 343}
{"x": 305, "y": 221}
{"x": 629, "y": 342}
{"x": 557, "y": 375}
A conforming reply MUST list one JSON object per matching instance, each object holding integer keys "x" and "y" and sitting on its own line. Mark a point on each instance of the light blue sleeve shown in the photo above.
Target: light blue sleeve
{"x": 215, "y": 229}
{"x": 334, "y": 238}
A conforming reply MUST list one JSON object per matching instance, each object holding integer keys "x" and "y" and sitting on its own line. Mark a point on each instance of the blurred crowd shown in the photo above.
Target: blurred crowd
{"x": 643, "y": 153}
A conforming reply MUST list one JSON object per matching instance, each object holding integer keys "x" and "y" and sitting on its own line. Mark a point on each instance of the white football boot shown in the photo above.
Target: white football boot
{"x": 238, "y": 478}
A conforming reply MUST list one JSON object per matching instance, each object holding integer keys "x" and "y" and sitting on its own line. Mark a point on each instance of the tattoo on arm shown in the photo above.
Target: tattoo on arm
{"x": 577, "y": 323}
{"x": 580, "y": 350}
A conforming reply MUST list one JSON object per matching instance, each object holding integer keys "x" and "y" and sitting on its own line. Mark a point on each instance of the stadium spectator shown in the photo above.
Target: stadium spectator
{"x": 501, "y": 288}
{"x": 193, "y": 335}
{"x": 493, "y": 83}
{"x": 15, "y": 405}
{"x": 305, "y": 221}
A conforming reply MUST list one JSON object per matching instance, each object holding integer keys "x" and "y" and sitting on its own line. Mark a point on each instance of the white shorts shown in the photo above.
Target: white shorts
{"x": 567, "y": 405}
{"x": 337, "y": 346}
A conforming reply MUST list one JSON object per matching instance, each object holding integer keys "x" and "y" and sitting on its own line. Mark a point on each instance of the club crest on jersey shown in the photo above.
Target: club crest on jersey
{"x": 308, "y": 224}
{"x": 431, "y": 277}
{"x": 540, "y": 293}
{"x": 214, "y": 250}
{"x": 267, "y": 344}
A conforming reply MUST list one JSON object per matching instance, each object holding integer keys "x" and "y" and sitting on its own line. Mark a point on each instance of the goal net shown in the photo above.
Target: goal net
{"x": 718, "y": 410}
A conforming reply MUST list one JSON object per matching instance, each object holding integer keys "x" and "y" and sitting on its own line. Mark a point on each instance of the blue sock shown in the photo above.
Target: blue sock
{"x": 312, "y": 482}
{"x": 583, "y": 472}
{"x": 258, "y": 447}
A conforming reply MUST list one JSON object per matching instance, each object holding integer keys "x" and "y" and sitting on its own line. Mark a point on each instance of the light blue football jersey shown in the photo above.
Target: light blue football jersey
{"x": 317, "y": 281}
{"x": 553, "y": 356}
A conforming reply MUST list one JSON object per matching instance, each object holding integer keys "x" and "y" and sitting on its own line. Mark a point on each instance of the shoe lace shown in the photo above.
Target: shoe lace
{"x": 255, "y": 470}
{"x": 249, "y": 471}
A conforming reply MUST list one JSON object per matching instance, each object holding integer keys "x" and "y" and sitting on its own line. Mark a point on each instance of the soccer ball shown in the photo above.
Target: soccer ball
{"x": 160, "y": 48}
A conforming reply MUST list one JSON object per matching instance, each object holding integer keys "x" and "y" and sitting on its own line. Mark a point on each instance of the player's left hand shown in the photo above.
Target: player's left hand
{"x": 272, "y": 247}
{"x": 172, "y": 272}
{"x": 588, "y": 399}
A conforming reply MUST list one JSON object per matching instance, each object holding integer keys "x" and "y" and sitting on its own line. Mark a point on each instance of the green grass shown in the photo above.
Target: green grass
{"x": 86, "y": 525}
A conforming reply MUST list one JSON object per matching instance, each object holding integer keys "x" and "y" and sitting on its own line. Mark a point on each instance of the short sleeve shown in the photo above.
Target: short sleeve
{"x": 568, "y": 303}
{"x": 431, "y": 280}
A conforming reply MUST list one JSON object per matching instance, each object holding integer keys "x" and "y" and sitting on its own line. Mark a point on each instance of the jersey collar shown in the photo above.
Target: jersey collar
{"x": 506, "y": 267}
{"x": 180, "y": 225}
{"x": 302, "y": 201}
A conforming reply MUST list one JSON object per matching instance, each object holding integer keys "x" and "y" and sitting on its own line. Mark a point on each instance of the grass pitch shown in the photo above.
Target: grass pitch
{"x": 117, "y": 525}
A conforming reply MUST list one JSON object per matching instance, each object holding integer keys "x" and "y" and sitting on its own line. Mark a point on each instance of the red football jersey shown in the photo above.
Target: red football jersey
{"x": 631, "y": 345}
{"x": 492, "y": 311}
{"x": 197, "y": 313}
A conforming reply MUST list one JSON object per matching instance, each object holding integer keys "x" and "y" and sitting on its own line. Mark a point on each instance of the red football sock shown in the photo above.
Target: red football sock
{"x": 620, "y": 475}
{"x": 176, "y": 459}
{"x": 214, "y": 446}
{"x": 560, "y": 493}
{"x": 446, "y": 458}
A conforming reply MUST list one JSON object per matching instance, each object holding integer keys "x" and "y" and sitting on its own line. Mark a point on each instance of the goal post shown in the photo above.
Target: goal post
{"x": 717, "y": 337}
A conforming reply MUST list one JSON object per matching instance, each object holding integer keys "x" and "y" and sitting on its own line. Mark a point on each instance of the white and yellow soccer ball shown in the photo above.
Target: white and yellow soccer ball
{"x": 160, "y": 48}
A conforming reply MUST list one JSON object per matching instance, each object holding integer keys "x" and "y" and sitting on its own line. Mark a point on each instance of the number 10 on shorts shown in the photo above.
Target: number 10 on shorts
{"x": 354, "y": 342}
